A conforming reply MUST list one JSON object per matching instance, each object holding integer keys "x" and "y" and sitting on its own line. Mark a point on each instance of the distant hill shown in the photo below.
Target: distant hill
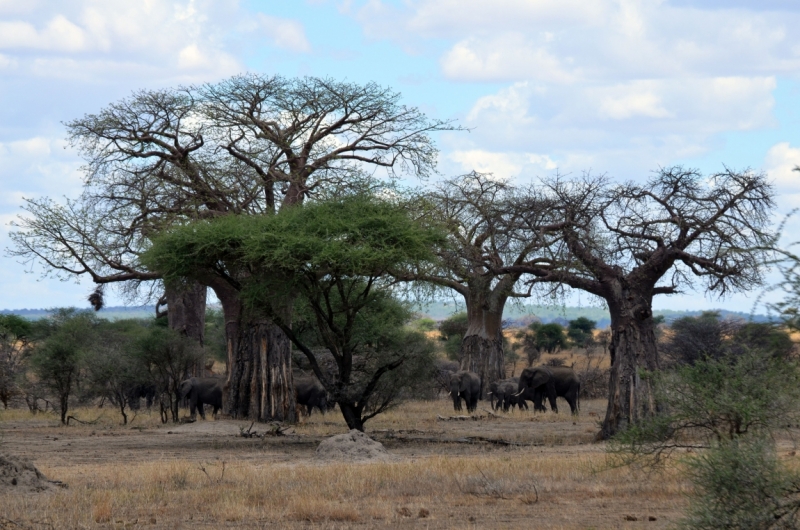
{"x": 109, "y": 313}
{"x": 521, "y": 316}
{"x": 515, "y": 316}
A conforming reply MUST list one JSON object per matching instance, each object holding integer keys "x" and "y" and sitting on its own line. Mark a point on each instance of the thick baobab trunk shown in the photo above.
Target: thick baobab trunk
{"x": 482, "y": 346}
{"x": 259, "y": 362}
{"x": 186, "y": 314}
{"x": 633, "y": 349}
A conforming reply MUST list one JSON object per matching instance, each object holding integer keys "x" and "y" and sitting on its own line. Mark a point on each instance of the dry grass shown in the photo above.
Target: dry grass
{"x": 489, "y": 489}
{"x": 122, "y": 477}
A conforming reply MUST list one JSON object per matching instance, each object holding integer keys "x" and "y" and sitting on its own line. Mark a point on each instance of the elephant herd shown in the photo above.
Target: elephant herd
{"x": 201, "y": 391}
{"x": 534, "y": 384}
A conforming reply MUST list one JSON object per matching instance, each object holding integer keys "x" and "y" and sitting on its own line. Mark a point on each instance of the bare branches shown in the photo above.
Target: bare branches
{"x": 713, "y": 229}
{"x": 246, "y": 145}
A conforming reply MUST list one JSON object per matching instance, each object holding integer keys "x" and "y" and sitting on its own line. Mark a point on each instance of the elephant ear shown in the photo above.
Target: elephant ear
{"x": 540, "y": 377}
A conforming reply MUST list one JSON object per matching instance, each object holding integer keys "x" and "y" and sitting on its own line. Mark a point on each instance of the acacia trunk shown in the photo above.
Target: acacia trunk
{"x": 186, "y": 314}
{"x": 633, "y": 350}
{"x": 352, "y": 416}
{"x": 259, "y": 363}
{"x": 482, "y": 347}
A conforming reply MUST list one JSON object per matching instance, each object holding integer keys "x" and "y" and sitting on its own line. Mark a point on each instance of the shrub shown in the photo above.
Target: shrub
{"x": 728, "y": 409}
{"x": 742, "y": 484}
{"x": 579, "y": 332}
{"x": 550, "y": 337}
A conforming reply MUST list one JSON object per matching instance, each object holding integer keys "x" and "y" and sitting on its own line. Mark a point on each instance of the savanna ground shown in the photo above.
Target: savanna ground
{"x": 494, "y": 471}
{"x": 447, "y": 474}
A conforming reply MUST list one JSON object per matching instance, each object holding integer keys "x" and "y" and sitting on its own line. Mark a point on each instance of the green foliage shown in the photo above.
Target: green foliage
{"x": 709, "y": 336}
{"x": 14, "y": 343}
{"x": 167, "y": 356}
{"x": 214, "y": 340}
{"x": 580, "y": 330}
{"x": 742, "y": 484}
{"x": 728, "y": 409}
{"x": 550, "y": 337}
{"x": 365, "y": 329}
{"x": 456, "y": 324}
{"x": 424, "y": 324}
{"x": 58, "y": 360}
{"x": 452, "y": 347}
{"x": 14, "y": 327}
{"x": 716, "y": 400}
{"x": 452, "y": 331}
{"x": 332, "y": 262}
{"x": 112, "y": 365}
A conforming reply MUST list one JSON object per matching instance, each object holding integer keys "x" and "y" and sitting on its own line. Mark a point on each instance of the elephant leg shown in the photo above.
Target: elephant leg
{"x": 192, "y": 409}
{"x": 200, "y": 409}
{"x": 551, "y": 395}
{"x": 309, "y": 408}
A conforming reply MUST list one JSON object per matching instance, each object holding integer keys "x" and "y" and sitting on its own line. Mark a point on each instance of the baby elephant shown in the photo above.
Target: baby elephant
{"x": 310, "y": 393}
{"x": 202, "y": 391}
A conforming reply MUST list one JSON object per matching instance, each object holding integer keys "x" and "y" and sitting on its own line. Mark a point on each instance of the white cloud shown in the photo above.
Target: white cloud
{"x": 151, "y": 38}
{"x": 35, "y": 167}
{"x": 633, "y": 104}
{"x": 501, "y": 165}
{"x": 779, "y": 163}
{"x": 286, "y": 34}
{"x": 504, "y": 59}
{"x": 616, "y": 40}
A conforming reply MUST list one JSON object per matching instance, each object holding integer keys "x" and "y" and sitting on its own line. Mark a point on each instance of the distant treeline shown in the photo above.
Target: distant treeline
{"x": 523, "y": 315}
{"x": 515, "y": 316}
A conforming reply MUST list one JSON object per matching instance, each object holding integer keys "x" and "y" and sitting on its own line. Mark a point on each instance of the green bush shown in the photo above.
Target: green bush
{"x": 424, "y": 324}
{"x": 742, "y": 484}
{"x": 728, "y": 410}
{"x": 579, "y": 332}
{"x": 550, "y": 337}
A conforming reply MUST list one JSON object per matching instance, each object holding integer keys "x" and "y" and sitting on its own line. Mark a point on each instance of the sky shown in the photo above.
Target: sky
{"x": 619, "y": 87}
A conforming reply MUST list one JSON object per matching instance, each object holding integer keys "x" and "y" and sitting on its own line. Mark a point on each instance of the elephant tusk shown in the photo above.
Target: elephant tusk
{"x": 489, "y": 394}
{"x": 450, "y": 393}
{"x": 518, "y": 393}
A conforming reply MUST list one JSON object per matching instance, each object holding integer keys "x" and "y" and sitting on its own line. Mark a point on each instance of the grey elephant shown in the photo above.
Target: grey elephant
{"x": 310, "y": 393}
{"x": 202, "y": 391}
{"x": 504, "y": 394}
{"x": 550, "y": 381}
{"x": 467, "y": 386}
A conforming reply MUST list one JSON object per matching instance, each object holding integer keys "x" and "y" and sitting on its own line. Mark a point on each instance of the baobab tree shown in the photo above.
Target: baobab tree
{"x": 476, "y": 212}
{"x": 249, "y": 145}
{"x": 628, "y": 243}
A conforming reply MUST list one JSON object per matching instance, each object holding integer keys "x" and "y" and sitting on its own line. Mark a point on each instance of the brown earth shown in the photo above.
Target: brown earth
{"x": 484, "y": 471}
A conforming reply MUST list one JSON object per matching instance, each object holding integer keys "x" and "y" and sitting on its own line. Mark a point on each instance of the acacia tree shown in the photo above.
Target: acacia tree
{"x": 248, "y": 145}
{"x": 15, "y": 334}
{"x": 475, "y": 209}
{"x": 331, "y": 260}
{"x": 629, "y": 243}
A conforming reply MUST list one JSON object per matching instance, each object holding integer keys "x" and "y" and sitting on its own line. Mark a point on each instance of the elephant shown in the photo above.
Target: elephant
{"x": 504, "y": 392}
{"x": 202, "y": 391}
{"x": 139, "y": 391}
{"x": 467, "y": 386}
{"x": 310, "y": 393}
{"x": 552, "y": 381}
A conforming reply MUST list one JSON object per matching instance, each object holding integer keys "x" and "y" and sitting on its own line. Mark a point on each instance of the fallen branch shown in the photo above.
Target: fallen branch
{"x": 458, "y": 418}
{"x": 84, "y": 422}
{"x": 493, "y": 415}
